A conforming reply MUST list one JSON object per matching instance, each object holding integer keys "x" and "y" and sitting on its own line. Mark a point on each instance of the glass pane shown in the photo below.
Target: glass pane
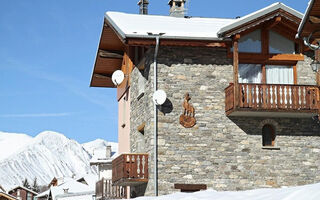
{"x": 280, "y": 44}
{"x": 250, "y": 73}
{"x": 251, "y": 42}
{"x": 279, "y": 74}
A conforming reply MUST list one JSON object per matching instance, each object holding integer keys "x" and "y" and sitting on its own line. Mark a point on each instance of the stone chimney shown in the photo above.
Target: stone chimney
{"x": 108, "y": 152}
{"x": 177, "y": 8}
{"x": 143, "y": 7}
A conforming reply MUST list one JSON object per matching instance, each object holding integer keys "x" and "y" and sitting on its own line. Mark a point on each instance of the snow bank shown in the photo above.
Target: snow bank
{"x": 306, "y": 192}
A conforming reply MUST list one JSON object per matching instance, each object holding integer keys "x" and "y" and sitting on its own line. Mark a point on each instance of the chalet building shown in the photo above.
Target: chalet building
{"x": 104, "y": 187}
{"x": 23, "y": 193}
{"x": 241, "y": 108}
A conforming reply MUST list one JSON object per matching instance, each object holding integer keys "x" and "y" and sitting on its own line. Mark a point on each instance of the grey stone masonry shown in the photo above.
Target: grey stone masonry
{"x": 225, "y": 153}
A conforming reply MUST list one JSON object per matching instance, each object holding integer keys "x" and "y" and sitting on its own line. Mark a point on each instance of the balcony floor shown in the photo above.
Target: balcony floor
{"x": 247, "y": 112}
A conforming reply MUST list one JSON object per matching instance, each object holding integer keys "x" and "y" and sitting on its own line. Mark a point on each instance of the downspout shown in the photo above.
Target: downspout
{"x": 155, "y": 118}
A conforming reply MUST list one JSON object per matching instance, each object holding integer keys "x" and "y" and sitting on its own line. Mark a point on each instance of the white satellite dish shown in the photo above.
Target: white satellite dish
{"x": 117, "y": 77}
{"x": 159, "y": 97}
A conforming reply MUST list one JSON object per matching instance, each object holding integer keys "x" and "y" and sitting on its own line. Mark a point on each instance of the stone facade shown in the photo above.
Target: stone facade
{"x": 223, "y": 152}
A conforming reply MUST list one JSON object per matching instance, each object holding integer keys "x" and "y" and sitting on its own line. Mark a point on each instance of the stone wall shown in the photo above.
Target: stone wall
{"x": 224, "y": 153}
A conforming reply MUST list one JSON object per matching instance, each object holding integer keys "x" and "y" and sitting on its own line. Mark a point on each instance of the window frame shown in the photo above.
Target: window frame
{"x": 265, "y": 58}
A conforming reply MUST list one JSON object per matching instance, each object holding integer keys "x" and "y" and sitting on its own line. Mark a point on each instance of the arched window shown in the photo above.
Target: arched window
{"x": 268, "y": 135}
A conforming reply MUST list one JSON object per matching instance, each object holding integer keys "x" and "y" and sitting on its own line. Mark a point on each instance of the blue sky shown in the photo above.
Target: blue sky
{"x": 47, "y": 52}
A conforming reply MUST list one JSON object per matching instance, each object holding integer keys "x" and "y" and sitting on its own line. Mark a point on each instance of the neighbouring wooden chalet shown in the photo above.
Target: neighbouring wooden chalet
{"x": 23, "y": 193}
{"x": 242, "y": 100}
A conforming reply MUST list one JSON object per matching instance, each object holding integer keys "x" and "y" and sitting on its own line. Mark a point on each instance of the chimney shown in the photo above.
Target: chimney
{"x": 177, "y": 8}
{"x": 108, "y": 151}
{"x": 65, "y": 190}
{"x": 143, "y": 5}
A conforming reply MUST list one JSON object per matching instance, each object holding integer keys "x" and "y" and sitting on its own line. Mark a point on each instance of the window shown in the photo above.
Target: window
{"x": 279, "y": 74}
{"x": 280, "y": 45}
{"x": 251, "y": 43}
{"x": 250, "y": 73}
{"x": 268, "y": 135}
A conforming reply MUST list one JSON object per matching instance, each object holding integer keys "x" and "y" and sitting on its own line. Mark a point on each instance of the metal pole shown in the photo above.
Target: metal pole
{"x": 155, "y": 113}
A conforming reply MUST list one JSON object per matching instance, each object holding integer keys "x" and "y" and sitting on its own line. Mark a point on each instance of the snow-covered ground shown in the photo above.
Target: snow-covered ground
{"x": 49, "y": 154}
{"x": 306, "y": 192}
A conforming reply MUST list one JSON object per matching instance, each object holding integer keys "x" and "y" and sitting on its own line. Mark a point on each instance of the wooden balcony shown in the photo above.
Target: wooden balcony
{"x": 272, "y": 100}
{"x": 105, "y": 190}
{"x": 130, "y": 169}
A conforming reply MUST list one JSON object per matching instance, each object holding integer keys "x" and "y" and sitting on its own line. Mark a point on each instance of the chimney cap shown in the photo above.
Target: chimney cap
{"x": 143, "y": 1}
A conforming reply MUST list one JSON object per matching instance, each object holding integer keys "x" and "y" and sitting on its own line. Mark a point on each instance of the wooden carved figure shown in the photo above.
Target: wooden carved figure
{"x": 187, "y": 119}
{"x": 188, "y": 109}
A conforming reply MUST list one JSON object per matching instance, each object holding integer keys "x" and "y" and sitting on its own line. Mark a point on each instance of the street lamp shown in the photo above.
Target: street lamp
{"x": 315, "y": 65}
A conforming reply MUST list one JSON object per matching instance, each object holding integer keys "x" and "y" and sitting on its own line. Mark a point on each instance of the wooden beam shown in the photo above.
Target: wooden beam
{"x": 167, "y": 42}
{"x": 110, "y": 54}
{"x": 190, "y": 187}
{"x": 314, "y": 19}
{"x": 236, "y": 68}
{"x": 273, "y": 23}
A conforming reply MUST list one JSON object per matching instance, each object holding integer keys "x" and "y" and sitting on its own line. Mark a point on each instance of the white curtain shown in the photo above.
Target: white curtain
{"x": 250, "y": 73}
{"x": 279, "y": 74}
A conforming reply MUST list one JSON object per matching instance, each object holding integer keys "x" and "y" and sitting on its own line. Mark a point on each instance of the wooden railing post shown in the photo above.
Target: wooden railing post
{"x": 236, "y": 69}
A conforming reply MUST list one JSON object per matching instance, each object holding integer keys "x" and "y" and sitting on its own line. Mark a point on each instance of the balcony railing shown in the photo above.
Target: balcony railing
{"x": 130, "y": 169}
{"x": 105, "y": 190}
{"x": 272, "y": 97}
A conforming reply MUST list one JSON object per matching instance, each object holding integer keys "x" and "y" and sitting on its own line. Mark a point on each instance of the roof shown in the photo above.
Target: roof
{"x": 73, "y": 186}
{"x": 305, "y": 17}
{"x": 24, "y": 188}
{"x": 138, "y": 26}
{"x": 257, "y": 14}
{"x": 76, "y": 196}
{"x": 8, "y": 196}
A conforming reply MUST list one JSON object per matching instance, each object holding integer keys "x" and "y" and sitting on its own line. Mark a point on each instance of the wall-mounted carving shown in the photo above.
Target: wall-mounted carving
{"x": 187, "y": 119}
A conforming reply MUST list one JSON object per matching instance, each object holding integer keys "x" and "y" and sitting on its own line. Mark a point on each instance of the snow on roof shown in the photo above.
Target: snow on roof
{"x": 73, "y": 187}
{"x": 24, "y": 188}
{"x": 138, "y": 26}
{"x": 259, "y": 13}
{"x": 305, "y": 17}
{"x": 306, "y": 192}
{"x": 90, "y": 179}
{"x": 76, "y": 196}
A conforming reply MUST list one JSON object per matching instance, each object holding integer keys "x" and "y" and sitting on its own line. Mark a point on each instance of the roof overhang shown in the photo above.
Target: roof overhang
{"x": 310, "y": 21}
{"x": 259, "y": 17}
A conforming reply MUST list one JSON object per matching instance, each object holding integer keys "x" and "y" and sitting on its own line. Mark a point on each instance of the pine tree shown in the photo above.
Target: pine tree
{"x": 26, "y": 184}
{"x": 35, "y": 186}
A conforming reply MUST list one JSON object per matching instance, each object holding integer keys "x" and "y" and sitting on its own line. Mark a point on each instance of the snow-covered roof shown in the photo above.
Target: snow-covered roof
{"x": 141, "y": 26}
{"x": 306, "y": 192}
{"x": 72, "y": 186}
{"x": 90, "y": 179}
{"x": 76, "y": 196}
{"x": 305, "y": 17}
{"x": 24, "y": 188}
{"x": 257, "y": 14}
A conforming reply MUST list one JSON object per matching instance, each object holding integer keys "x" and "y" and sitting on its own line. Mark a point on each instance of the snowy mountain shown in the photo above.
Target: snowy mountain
{"x": 49, "y": 154}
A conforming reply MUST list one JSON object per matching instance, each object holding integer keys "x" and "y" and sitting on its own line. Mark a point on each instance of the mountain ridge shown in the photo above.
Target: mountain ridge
{"x": 47, "y": 155}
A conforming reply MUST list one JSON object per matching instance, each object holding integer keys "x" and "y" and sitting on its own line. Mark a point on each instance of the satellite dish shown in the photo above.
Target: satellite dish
{"x": 159, "y": 97}
{"x": 117, "y": 77}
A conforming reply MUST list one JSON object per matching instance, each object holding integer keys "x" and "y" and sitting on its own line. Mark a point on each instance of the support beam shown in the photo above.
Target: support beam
{"x": 110, "y": 54}
{"x": 236, "y": 68}
{"x": 276, "y": 21}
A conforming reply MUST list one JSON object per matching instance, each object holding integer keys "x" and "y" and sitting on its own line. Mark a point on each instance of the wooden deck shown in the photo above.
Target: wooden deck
{"x": 130, "y": 169}
{"x": 278, "y": 100}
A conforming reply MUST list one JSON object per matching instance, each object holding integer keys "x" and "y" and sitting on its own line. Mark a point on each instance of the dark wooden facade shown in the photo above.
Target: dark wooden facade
{"x": 23, "y": 193}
